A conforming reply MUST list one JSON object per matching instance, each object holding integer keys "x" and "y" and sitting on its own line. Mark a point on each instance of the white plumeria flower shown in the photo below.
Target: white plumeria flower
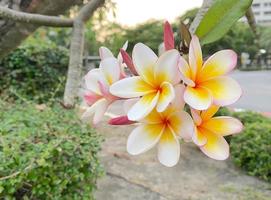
{"x": 207, "y": 82}
{"x": 97, "y": 82}
{"x": 155, "y": 83}
{"x": 210, "y": 131}
{"x": 163, "y": 129}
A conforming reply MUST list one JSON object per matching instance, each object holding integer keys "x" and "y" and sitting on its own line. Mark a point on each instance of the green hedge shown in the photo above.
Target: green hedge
{"x": 251, "y": 149}
{"x": 46, "y": 154}
{"x": 35, "y": 72}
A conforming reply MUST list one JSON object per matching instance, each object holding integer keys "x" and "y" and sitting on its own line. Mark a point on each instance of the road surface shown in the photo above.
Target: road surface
{"x": 256, "y": 86}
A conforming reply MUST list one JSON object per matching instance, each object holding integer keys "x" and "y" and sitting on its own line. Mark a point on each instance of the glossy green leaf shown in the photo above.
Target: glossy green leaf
{"x": 219, "y": 19}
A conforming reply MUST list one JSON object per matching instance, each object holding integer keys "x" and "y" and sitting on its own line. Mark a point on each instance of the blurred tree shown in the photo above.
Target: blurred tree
{"x": 13, "y": 33}
{"x": 240, "y": 38}
{"x": 149, "y": 33}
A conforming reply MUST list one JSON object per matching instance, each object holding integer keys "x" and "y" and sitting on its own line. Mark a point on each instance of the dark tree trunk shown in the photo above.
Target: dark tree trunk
{"x": 13, "y": 33}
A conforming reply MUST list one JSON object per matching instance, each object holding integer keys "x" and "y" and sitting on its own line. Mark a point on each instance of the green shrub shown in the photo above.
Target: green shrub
{"x": 251, "y": 149}
{"x": 36, "y": 72}
{"x": 248, "y": 117}
{"x": 46, "y": 154}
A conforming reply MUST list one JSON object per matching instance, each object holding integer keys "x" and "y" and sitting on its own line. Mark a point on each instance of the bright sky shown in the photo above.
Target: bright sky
{"x": 131, "y": 12}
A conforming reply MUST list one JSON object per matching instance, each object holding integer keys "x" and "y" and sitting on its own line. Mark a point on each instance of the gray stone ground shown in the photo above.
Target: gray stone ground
{"x": 196, "y": 177}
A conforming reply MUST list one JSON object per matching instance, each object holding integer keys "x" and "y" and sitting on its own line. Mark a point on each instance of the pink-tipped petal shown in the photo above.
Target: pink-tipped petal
{"x": 168, "y": 36}
{"x": 218, "y": 64}
{"x": 128, "y": 61}
{"x": 90, "y": 98}
{"x": 121, "y": 120}
{"x": 105, "y": 92}
{"x": 224, "y": 90}
{"x": 223, "y": 125}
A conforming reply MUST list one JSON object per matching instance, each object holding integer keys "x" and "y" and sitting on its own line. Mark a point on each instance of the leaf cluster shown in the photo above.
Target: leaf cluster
{"x": 46, "y": 154}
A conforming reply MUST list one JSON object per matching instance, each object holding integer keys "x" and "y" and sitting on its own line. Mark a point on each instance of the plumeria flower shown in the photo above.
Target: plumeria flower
{"x": 97, "y": 82}
{"x": 164, "y": 129}
{"x": 210, "y": 132}
{"x": 155, "y": 83}
{"x": 206, "y": 82}
{"x": 104, "y": 53}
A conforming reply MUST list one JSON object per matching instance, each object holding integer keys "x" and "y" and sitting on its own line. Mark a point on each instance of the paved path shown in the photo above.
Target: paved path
{"x": 256, "y": 87}
{"x": 196, "y": 177}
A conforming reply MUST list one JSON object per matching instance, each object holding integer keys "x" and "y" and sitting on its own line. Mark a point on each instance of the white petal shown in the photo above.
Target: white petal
{"x": 195, "y": 57}
{"x": 166, "y": 96}
{"x": 198, "y": 98}
{"x": 144, "y": 60}
{"x": 143, "y": 107}
{"x": 130, "y": 87}
{"x": 178, "y": 101}
{"x": 182, "y": 125}
{"x": 128, "y": 104}
{"x": 105, "y": 53}
{"x": 216, "y": 147}
{"x": 97, "y": 109}
{"x": 166, "y": 68}
{"x": 168, "y": 149}
{"x": 91, "y": 80}
{"x": 110, "y": 69}
{"x": 143, "y": 138}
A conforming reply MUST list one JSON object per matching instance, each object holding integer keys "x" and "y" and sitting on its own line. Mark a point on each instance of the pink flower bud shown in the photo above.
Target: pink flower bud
{"x": 128, "y": 61}
{"x": 168, "y": 36}
{"x": 121, "y": 120}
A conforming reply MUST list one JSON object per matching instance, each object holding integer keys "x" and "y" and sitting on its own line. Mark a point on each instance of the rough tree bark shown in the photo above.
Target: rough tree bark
{"x": 253, "y": 26}
{"x": 42, "y": 20}
{"x": 13, "y": 33}
{"x": 32, "y": 21}
{"x": 76, "y": 52}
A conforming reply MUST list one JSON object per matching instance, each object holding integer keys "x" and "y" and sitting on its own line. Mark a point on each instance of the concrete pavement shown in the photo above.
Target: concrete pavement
{"x": 256, "y": 87}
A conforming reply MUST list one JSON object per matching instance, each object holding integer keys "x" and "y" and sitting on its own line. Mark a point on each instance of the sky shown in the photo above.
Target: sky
{"x": 132, "y": 12}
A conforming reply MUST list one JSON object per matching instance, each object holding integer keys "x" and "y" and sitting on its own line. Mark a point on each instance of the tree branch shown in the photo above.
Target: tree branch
{"x": 76, "y": 52}
{"x": 87, "y": 10}
{"x": 43, "y": 20}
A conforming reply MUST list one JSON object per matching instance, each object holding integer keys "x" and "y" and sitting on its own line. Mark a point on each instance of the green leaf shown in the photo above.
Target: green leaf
{"x": 219, "y": 19}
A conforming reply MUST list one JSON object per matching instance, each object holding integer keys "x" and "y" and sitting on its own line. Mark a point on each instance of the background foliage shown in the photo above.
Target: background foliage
{"x": 47, "y": 153}
{"x": 36, "y": 72}
{"x": 251, "y": 149}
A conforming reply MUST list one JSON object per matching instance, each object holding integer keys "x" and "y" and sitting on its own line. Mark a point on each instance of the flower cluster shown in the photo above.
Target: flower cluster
{"x": 170, "y": 97}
